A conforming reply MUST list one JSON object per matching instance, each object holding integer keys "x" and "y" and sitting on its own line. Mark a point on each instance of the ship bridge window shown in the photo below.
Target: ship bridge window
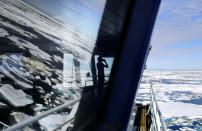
{"x": 45, "y": 57}
{"x": 107, "y": 70}
{"x": 54, "y": 52}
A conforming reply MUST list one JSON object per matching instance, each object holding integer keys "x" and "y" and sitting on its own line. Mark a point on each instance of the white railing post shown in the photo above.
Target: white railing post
{"x": 157, "y": 121}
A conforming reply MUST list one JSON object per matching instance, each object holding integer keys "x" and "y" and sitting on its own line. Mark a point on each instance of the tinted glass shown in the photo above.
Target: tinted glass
{"x": 45, "y": 54}
{"x": 56, "y": 51}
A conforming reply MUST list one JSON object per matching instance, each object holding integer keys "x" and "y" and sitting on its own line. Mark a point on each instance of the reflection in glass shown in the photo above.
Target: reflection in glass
{"x": 45, "y": 57}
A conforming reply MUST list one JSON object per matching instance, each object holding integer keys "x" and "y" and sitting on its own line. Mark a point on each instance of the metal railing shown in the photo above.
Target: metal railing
{"x": 34, "y": 119}
{"x": 4, "y": 125}
{"x": 91, "y": 80}
{"x": 68, "y": 121}
{"x": 156, "y": 117}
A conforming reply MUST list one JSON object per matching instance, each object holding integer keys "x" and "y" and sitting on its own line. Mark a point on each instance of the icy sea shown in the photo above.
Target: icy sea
{"x": 179, "y": 96}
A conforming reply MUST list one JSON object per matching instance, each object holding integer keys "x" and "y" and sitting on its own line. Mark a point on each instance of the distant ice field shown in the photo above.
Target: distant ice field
{"x": 179, "y": 96}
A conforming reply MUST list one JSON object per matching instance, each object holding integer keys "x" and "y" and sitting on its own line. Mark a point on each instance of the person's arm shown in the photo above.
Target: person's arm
{"x": 105, "y": 65}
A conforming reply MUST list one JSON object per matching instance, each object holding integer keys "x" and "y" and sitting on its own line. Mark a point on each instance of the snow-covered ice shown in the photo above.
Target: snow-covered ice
{"x": 179, "y": 94}
{"x": 3, "y": 33}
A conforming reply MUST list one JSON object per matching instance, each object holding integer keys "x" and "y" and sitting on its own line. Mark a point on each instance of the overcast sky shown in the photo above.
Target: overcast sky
{"x": 177, "y": 36}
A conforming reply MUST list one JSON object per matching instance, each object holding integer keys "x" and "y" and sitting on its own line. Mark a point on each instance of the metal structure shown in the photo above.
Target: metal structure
{"x": 146, "y": 115}
{"x": 157, "y": 123}
{"x": 129, "y": 62}
{"x": 31, "y": 120}
{"x": 4, "y": 125}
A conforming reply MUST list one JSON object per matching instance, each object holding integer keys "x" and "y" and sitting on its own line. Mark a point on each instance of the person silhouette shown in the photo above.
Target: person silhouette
{"x": 101, "y": 77}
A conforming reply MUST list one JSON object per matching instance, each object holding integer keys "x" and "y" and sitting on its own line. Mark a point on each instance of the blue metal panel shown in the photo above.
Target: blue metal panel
{"x": 129, "y": 63}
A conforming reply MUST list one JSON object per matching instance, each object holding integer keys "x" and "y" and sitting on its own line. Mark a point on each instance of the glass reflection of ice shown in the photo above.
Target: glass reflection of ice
{"x": 75, "y": 72}
{"x": 54, "y": 52}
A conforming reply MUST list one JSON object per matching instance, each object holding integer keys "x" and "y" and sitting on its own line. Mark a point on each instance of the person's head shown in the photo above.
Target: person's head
{"x": 99, "y": 59}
